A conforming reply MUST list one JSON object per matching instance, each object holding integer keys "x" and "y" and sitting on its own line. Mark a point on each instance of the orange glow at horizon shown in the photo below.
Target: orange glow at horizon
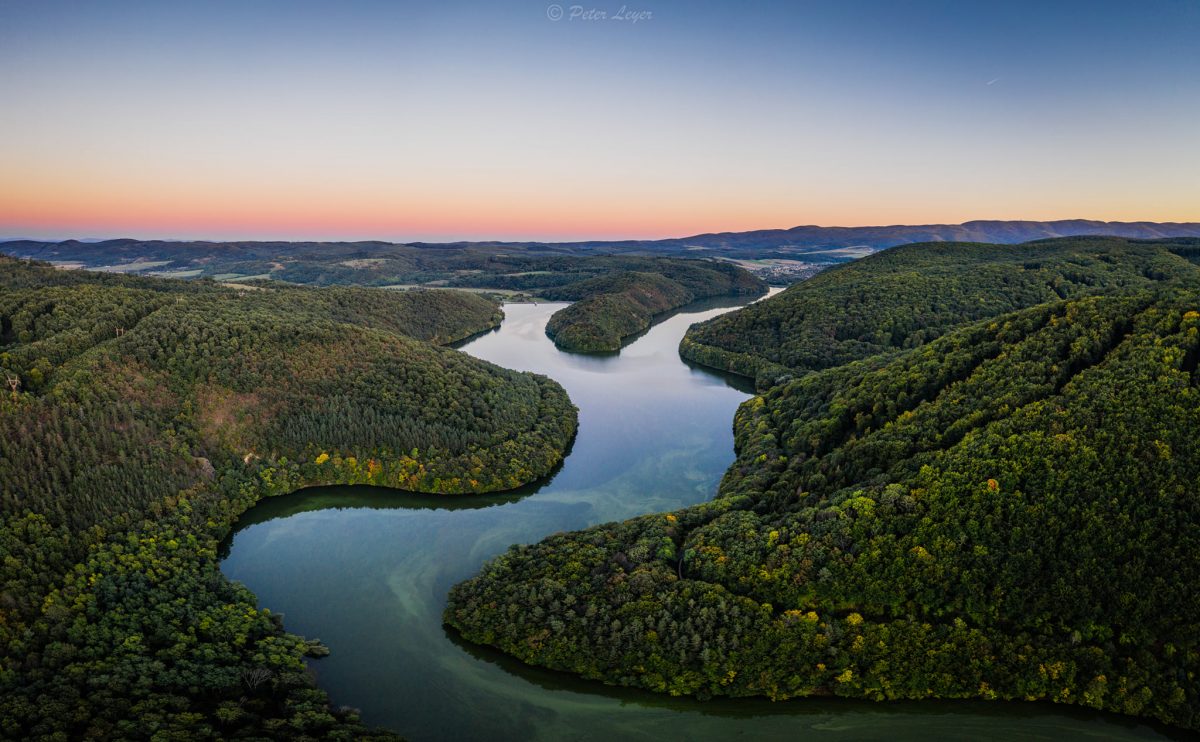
{"x": 89, "y": 202}
{"x": 228, "y": 121}
{"x": 63, "y": 209}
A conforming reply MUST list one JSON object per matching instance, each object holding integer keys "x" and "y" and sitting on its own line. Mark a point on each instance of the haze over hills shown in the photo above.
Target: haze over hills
{"x": 816, "y": 243}
{"x": 991, "y": 231}
{"x": 880, "y": 237}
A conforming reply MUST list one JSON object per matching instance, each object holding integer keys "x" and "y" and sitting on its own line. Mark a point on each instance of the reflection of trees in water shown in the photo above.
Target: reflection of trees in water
{"x": 347, "y": 497}
{"x": 751, "y": 708}
{"x": 543, "y": 694}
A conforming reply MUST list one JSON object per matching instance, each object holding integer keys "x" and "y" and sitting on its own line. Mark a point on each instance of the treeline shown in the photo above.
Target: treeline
{"x": 519, "y": 266}
{"x": 147, "y": 415}
{"x": 627, "y": 291}
{"x": 611, "y": 307}
{"x": 1185, "y": 247}
{"x": 906, "y": 296}
{"x": 614, "y": 297}
{"x": 1007, "y": 511}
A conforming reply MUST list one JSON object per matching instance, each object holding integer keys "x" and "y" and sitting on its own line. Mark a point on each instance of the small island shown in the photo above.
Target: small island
{"x": 970, "y": 489}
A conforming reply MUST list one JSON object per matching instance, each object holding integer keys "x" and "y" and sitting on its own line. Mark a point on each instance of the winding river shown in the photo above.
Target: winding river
{"x": 367, "y": 571}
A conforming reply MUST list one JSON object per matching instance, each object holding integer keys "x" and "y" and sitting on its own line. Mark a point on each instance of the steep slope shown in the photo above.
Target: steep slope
{"x": 1006, "y": 512}
{"x": 148, "y": 415}
{"x": 619, "y": 307}
{"x": 612, "y": 307}
{"x": 909, "y": 295}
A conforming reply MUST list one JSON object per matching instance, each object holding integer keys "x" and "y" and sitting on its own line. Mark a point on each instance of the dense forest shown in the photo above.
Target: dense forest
{"x": 1003, "y": 507}
{"x": 141, "y": 416}
{"x": 617, "y": 295}
{"x": 621, "y": 306}
{"x": 909, "y": 295}
{"x": 508, "y": 266}
{"x": 611, "y": 307}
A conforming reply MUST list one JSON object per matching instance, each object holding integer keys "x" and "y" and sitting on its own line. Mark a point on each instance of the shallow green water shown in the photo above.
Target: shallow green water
{"x": 367, "y": 571}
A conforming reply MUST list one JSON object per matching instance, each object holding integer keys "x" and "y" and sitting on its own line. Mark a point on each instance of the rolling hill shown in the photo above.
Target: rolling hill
{"x": 1003, "y": 509}
{"x": 144, "y": 415}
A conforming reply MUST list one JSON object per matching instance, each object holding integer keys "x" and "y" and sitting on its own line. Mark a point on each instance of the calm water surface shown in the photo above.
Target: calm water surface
{"x": 367, "y": 571}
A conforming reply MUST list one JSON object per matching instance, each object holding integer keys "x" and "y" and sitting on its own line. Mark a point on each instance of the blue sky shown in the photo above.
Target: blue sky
{"x": 446, "y": 120}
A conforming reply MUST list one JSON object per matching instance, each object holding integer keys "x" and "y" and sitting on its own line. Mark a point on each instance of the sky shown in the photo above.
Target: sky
{"x": 445, "y": 120}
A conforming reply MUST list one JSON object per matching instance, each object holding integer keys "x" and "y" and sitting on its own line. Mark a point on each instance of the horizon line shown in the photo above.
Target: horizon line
{"x": 89, "y": 240}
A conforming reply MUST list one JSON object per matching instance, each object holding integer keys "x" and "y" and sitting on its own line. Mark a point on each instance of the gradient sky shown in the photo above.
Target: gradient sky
{"x": 465, "y": 120}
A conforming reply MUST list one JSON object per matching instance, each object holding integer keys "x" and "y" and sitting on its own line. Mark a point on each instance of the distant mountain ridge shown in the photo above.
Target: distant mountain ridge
{"x": 880, "y": 237}
{"x": 780, "y": 256}
{"x": 992, "y": 231}
{"x": 807, "y": 238}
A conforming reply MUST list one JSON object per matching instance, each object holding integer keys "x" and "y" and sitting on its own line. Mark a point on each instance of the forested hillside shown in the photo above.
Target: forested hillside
{"x": 142, "y": 416}
{"x": 618, "y": 296}
{"x": 1007, "y": 510}
{"x": 611, "y": 307}
{"x": 512, "y": 266}
{"x": 906, "y": 296}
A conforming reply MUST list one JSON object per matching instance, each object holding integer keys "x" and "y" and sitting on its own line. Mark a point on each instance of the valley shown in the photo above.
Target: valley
{"x": 367, "y": 571}
{"x": 898, "y": 422}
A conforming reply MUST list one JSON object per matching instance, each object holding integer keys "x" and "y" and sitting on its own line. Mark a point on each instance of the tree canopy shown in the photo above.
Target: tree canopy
{"x": 1003, "y": 508}
{"x": 143, "y": 415}
{"x": 906, "y": 296}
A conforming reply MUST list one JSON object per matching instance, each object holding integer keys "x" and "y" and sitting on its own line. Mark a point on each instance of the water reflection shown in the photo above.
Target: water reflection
{"x": 367, "y": 571}
{"x": 724, "y": 712}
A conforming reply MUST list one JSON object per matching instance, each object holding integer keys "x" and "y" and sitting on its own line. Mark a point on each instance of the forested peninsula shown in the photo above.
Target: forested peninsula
{"x": 616, "y": 296}
{"x": 971, "y": 474}
{"x": 612, "y": 307}
{"x": 141, "y": 416}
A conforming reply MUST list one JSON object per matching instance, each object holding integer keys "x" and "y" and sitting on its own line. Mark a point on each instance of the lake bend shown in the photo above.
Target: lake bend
{"x": 367, "y": 571}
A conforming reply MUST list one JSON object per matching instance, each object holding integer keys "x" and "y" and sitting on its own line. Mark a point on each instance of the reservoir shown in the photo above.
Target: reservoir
{"x": 367, "y": 571}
